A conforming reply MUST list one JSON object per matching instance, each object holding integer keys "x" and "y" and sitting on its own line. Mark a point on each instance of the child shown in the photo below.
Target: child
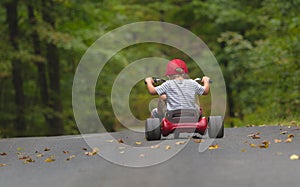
{"x": 179, "y": 91}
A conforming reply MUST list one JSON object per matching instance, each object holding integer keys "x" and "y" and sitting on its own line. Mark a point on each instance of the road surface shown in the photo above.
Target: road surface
{"x": 239, "y": 159}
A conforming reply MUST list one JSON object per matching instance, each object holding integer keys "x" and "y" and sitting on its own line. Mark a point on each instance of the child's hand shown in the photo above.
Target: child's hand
{"x": 149, "y": 80}
{"x": 205, "y": 80}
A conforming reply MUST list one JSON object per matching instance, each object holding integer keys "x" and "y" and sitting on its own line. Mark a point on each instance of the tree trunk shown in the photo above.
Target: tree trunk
{"x": 42, "y": 78}
{"x": 17, "y": 80}
{"x": 55, "y": 103}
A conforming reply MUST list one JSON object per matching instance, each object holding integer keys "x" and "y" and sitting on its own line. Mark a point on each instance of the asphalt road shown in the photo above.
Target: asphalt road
{"x": 236, "y": 160}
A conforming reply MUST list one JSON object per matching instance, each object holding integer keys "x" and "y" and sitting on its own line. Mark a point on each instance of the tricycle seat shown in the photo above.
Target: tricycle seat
{"x": 183, "y": 116}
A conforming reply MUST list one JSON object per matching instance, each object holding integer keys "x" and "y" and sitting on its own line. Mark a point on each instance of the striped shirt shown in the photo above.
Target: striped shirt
{"x": 180, "y": 93}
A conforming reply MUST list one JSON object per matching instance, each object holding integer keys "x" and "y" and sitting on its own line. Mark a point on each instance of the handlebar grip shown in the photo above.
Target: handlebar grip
{"x": 199, "y": 80}
{"x": 157, "y": 80}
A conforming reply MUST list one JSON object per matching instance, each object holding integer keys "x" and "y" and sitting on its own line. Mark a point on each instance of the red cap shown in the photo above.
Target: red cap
{"x": 176, "y": 66}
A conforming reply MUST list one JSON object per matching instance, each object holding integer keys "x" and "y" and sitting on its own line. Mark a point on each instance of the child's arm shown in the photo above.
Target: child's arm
{"x": 149, "y": 82}
{"x": 206, "y": 85}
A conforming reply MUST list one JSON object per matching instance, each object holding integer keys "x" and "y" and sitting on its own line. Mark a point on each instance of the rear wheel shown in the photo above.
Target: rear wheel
{"x": 215, "y": 127}
{"x": 152, "y": 129}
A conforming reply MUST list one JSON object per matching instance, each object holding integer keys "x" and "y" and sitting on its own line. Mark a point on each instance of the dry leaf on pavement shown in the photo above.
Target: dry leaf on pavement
{"x": 39, "y": 154}
{"x": 93, "y": 152}
{"x": 216, "y": 146}
{"x": 50, "y": 159}
{"x": 167, "y": 147}
{"x": 70, "y": 157}
{"x": 22, "y": 157}
{"x": 283, "y": 132}
{"x": 66, "y": 152}
{"x": 252, "y": 145}
{"x": 138, "y": 143}
{"x": 294, "y": 157}
{"x": 254, "y": 136}
{"x": 289, "y": 140}
{"x": 1, "y": 165}
{"x": 29, "y": 160}
{"x": 155, "y": 146}
{"x": 265, "y": 144}
{"x": 277, "y": 141}
{"x": 290, "y": 136}
{"x": 180, "y": 142}
{"x": 3, "y": 154}
{"x": 198, "y": 140}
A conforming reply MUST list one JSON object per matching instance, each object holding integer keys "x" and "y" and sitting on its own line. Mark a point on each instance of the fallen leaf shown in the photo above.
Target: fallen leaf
{"x": 254, "y": 136}
{"x": 85, "y": 149}
{"x": 93, "y": 152}
{"x": 29, "y": 160}
{"x": 3, "y": 154}
{"x": 180, "y": 142}
{"x": 1, "y": 165}
{"x": 138, "y": 143}
{"x": 243, "y": 150}
{"x": 167, "y": 147}
{"x": 21, "y": 157}
{"x": 122, "y": 152}
{"x": 46, "y": 149}
{"x": 39, "y": 154}
{"x": 50, "y": 159}
{"x": 198, "y": 140}
{"x": 120, "y": 140}
{"x": 110, "y": 141}
{"x": 294, "y": 157}
{"x": 155, "y": 146}
{"x": 66, "y": 152}
{"x": 216, "y": 146}
{"x": 70, "y": 157}
{"x": 277, "y": 141}
{"x": 290, "y": 136}
{"x": 289, "y": 140}
{"x": 265, "y": 144}
{"x": 252, "y": 145}
{"x": 283, "y": 132}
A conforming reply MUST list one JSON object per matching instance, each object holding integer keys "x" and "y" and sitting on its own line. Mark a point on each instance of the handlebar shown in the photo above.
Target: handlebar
{"x": 199, "y": 80}
{"x": 160, "y": 81}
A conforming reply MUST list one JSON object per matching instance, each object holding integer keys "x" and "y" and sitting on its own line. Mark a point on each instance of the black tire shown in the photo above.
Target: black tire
{"x": 215, "y": 127}
{"x": 152, "y": 129}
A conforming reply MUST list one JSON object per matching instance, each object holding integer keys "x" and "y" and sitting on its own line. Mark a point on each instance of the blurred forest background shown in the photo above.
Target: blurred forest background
{"x": 257, "y": 44}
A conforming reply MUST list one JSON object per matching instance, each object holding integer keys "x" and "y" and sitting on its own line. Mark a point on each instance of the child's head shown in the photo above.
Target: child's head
{"x": 176, "y": 68}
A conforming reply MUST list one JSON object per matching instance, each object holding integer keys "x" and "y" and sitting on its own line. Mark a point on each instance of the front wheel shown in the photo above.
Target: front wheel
{"x": 152, "y": 129}
{"x": 215, "y": 127}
